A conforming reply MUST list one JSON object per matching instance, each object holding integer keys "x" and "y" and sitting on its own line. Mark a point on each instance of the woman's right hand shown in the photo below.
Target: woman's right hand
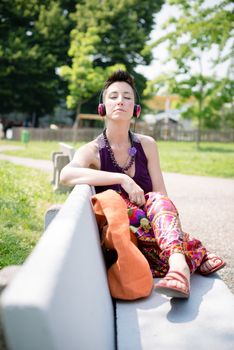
{"x": 135, "y": 192}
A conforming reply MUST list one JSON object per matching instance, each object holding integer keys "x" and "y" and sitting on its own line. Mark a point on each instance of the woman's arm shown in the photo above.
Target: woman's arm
{"x": 83, "y": 169}
{"x": 151, "y": 151}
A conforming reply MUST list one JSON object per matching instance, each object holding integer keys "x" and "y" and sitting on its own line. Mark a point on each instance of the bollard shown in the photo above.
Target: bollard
{"x": 25, "y": 136}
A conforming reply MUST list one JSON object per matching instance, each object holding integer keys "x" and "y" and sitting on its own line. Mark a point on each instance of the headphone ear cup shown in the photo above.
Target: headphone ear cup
{"x": 137, "y": 111}
{"x": 101, "y": 109}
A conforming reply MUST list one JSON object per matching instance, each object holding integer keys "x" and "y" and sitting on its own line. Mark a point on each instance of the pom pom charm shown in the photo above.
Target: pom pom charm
{"x": 132, "y": 151}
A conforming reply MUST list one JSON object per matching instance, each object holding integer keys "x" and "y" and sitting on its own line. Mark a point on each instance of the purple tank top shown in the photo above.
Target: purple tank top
{"x": 141, "y": 176}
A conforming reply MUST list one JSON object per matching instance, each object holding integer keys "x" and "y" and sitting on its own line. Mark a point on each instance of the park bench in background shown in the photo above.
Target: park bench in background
{"x": 59, "y": 160}
{"x": 60, "y": 298}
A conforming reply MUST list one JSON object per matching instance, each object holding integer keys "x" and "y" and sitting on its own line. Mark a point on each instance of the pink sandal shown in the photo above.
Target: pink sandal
{"x": 214, "y": 258}
{"x": 164, "y": 287}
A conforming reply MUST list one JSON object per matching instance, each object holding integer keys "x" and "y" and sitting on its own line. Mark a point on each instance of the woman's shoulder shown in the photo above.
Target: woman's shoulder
{"x": 145, "y": 140}
{"x": 89, "y": 147}
{"x": 87, "y": 155}
{"x": 89, "y": 150}
{"x": 148, "y": 144}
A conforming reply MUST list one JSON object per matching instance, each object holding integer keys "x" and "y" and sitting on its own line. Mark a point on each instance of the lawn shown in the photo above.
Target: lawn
{"x": 24, "y": 200}
{"x": 35, "y": 149}
{"x": 212, "y": 159}
{"x": 23, "y": 203}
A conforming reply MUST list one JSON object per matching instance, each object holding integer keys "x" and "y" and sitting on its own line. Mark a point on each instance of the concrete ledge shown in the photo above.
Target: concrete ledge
{"x": 67, "y": 150}
{"x": 60, "y": 297}
{"x": 60, "y": 160}
{"x": 7, "y": 274}
{"x": 51, "y": 214}
{"x": 203, "y": 322}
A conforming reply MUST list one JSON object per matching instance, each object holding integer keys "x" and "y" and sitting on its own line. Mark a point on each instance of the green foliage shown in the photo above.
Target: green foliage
{"x": 23, "y": 202}
{"x": 34, "y": 41}
{"x": 84, "y": 79}
{"x": 108, "y": 34}
{"x": 207, "y": 25}
{"x": 123, "y": 26}
{"x": 194, "y": 33}
{"x": 210, "y": 97}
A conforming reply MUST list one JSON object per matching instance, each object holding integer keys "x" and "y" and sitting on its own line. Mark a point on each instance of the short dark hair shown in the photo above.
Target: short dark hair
{"x": 120, "y": 75}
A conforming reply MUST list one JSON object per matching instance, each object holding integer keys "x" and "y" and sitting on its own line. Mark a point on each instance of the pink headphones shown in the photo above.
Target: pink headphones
{"x": 102, "y": 107}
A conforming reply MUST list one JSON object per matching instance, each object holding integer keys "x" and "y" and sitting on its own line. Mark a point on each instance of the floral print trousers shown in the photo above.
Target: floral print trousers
{"x": 157, "y": 228}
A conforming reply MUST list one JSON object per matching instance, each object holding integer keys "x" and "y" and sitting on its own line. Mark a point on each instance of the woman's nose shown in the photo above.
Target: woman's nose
{"x": 120, "y": 100}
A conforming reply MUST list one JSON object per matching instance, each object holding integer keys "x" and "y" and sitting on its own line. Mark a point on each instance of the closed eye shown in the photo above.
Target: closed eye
{"x": 126, "y": 97}
{"x": 114, "y": 97}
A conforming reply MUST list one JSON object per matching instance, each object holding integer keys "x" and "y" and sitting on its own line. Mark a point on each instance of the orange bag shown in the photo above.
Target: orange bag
{"x": 129, "y": 277}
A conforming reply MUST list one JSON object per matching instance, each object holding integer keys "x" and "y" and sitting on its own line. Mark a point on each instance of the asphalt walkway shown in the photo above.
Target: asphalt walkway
{"x": 45, "y": 165}
{"x": 205, "y": 204}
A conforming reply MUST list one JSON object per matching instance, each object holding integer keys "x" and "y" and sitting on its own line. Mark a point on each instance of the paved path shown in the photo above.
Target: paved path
{"x": 205, "y": 204}
{"x": 206, "y": 207}
{"x": 45, "y": 165}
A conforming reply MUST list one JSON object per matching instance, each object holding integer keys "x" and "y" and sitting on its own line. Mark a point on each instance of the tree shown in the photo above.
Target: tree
{"x": 107, "y": 33}
{"x": 34, "y": 41}
{"x": 192, "y": 35}
{"x": 123, "y": 26}
{"x": 83, "y": 78}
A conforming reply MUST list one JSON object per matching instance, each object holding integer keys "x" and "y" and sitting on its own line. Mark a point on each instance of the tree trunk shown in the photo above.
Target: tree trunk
{"x": 35, "y": 120}
{"x": 200, "y": 108}
{"x": 76, "y": 122}
{"x": 198, "y": 139}
{"x": 200, "y": 105}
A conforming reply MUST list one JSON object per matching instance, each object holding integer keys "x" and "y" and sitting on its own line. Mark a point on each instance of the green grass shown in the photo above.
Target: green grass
{"x": 35, "y": 149}
{"x": 25, "y": 195}
{"x": 212, "y": 159}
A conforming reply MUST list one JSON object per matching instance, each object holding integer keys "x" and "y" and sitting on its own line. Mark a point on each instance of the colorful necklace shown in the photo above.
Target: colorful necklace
{"x": 131, "y": 152}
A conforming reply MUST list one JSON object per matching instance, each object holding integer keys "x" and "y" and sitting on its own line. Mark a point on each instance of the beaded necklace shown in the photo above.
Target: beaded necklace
{"x": 131, "y": 152}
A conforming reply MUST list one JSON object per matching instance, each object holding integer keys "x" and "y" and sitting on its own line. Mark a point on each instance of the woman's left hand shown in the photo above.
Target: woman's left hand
{"x": 135, "y": 192}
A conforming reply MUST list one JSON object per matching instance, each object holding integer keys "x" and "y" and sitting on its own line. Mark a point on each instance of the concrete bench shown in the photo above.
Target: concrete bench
{"x": 59, "y": 160}
{"x": 60, "y": 298}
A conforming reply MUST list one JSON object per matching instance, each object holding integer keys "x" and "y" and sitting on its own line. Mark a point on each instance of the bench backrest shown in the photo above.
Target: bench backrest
{"x": 60, "y": 298}
{"x": 67, "y": 150}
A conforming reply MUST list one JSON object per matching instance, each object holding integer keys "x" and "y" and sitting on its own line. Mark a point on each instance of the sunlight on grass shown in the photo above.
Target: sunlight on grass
{"x": 35, "y": 149}
{"x": 25, "y": 195}
{"x": 212, "y": 159}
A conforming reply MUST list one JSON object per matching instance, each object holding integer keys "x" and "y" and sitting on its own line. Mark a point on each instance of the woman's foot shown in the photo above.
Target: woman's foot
{"x": 211, "y": 263}
{"x": 176, "y": 283}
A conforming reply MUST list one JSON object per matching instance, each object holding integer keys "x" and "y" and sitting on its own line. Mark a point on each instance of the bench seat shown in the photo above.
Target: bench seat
{"x": 60, "y": 298}
{"x": 204, "y": 321}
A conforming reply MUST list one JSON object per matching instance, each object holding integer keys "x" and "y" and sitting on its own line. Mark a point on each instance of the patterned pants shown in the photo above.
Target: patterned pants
{"x": 159, "y": 234}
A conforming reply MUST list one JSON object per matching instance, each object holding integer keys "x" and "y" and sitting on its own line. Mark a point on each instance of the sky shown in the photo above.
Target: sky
{"x": 157, "y": 66}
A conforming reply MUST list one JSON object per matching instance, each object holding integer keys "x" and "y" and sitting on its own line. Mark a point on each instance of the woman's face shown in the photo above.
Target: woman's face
{"x": 119, "y": 101}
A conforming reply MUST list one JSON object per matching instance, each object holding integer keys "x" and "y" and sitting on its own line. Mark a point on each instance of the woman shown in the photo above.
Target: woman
{"x": 129, "y": 163}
